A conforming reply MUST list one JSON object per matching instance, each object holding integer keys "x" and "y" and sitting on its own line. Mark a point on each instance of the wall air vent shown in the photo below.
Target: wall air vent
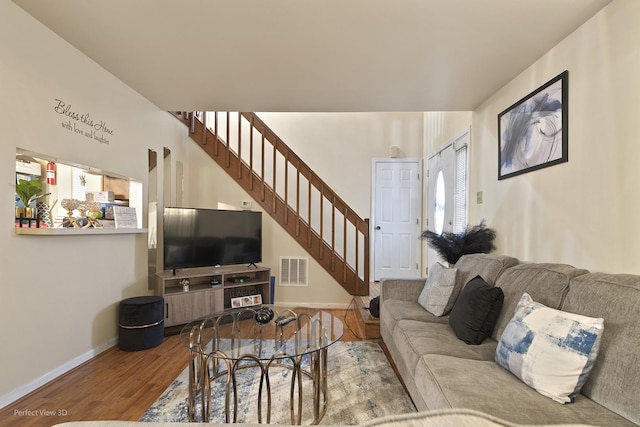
{"x": 294, "y": 271}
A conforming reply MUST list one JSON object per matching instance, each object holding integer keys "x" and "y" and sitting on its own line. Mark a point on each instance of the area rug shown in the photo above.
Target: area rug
{"x": 361, "y": 386}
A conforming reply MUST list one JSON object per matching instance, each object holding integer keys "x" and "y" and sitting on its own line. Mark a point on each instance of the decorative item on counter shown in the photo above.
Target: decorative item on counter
{"x": 83, "y": 221}
{"x": 95, "y": 212}
{"x": 185, "y": 284}
{"x": 27, "y": 192}
{"x": 89, "y": 213}
{"x": 44, "y": 213}
{"x": 70, "y": 205}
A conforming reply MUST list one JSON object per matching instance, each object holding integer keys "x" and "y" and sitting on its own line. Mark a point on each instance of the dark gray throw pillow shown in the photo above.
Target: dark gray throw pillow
{"x": 476, "y": 311}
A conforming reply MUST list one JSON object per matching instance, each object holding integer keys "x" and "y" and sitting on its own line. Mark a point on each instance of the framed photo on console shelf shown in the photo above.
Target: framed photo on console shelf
{"x": 533, "y": 132}
{"x": 246, "y": 301}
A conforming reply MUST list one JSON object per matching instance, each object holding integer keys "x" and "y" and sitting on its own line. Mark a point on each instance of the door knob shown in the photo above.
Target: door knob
{"x": 377, "y": 227}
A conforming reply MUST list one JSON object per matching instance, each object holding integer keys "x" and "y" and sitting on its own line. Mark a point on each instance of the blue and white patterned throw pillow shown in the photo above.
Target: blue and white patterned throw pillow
{"x": 550, "y": 350}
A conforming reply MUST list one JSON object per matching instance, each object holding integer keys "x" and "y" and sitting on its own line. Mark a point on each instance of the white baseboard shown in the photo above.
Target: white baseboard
{"x": 25, "y": 389}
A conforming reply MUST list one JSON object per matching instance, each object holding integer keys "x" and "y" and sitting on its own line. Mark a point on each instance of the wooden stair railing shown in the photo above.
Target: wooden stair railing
{"x": 265, "y": 167}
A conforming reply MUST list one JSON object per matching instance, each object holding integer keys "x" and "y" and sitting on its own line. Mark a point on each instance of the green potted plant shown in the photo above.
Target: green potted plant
{"x": 28, "y": 192}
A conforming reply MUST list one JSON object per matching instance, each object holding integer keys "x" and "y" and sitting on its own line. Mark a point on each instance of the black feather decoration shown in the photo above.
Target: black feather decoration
{"x": 451, "y": 246}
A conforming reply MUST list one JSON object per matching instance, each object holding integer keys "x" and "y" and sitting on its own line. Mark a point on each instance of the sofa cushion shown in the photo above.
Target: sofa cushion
{"x": 614, "y": 381}
{"x": 399, "y": 300}
{"x": 452, "y": 382}
{"x": 393, "y": 311}
{"x": 550, "y": 350}
{"x": 546, "y": 283}
{"x": 447, "y": 418}
{"x": 438, "y": 418}
{"x": 401, "y": 289}
{"x": 487, "y": 266}
{"x": 414, "y": 339}
{"x": 476, "y": 310}
{"x": 438, "y": 296}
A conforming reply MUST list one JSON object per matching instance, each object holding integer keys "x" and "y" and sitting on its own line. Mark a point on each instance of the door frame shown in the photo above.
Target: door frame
{"x": 431, "y": 174}
{"x": 462, "y": 138}
{"x": 419, "y": 207}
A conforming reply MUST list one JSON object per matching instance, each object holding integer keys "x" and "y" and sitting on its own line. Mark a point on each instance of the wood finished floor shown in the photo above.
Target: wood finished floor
{"x": 115, "y": 385}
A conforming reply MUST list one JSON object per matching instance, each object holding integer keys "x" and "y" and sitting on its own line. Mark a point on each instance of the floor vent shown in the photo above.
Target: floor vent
{"x": 294, "y": 271}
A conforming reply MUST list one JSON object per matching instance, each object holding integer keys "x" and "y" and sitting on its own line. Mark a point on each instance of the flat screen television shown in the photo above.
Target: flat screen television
{"x": 211, "y": 237}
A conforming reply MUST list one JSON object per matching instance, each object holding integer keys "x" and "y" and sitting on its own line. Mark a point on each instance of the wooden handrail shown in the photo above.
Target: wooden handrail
{"x": 343, "y": 261}
{"x": 303, "y": 167}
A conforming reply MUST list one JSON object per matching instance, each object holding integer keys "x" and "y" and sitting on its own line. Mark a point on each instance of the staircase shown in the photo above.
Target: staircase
{"x": 288, "y": 190}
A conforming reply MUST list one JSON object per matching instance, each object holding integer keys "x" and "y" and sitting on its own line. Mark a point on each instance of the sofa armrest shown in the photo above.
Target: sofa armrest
{"x": 401, "y": 289}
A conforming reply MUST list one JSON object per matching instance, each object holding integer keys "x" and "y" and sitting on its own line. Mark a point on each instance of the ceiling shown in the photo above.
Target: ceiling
{"x": 314, "y": 55}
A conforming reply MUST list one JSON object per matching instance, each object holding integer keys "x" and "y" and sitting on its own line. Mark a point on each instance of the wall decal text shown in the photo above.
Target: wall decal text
{"x": 82, "y": 123}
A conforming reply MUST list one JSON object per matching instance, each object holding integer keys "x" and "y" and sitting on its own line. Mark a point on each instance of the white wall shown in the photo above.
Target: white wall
{"x": 583, "y": 212}
{"x": 440, "y": 127}
{"x": 339, "y": 146}
{"x": 60, "y": 293}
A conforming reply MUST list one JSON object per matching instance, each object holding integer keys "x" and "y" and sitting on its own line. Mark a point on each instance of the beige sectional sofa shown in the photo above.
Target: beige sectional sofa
{"x": 440, "y": 371}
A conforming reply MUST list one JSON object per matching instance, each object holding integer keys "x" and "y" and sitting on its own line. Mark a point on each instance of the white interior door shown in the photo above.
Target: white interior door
{"x": 396, "y": 225}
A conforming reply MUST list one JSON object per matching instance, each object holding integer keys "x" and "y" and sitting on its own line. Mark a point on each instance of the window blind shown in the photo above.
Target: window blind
{"x": 460, "y": 191}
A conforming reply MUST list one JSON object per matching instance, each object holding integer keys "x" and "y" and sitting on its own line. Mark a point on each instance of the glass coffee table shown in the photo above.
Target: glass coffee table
{"x": 263, "y": 338}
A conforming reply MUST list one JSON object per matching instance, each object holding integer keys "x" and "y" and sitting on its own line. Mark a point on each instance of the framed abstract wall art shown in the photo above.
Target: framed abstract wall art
{"x": 533, "y": 132}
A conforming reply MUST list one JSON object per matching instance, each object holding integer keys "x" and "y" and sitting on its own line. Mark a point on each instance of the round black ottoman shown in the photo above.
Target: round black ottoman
{"x": 141, "y": 323}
